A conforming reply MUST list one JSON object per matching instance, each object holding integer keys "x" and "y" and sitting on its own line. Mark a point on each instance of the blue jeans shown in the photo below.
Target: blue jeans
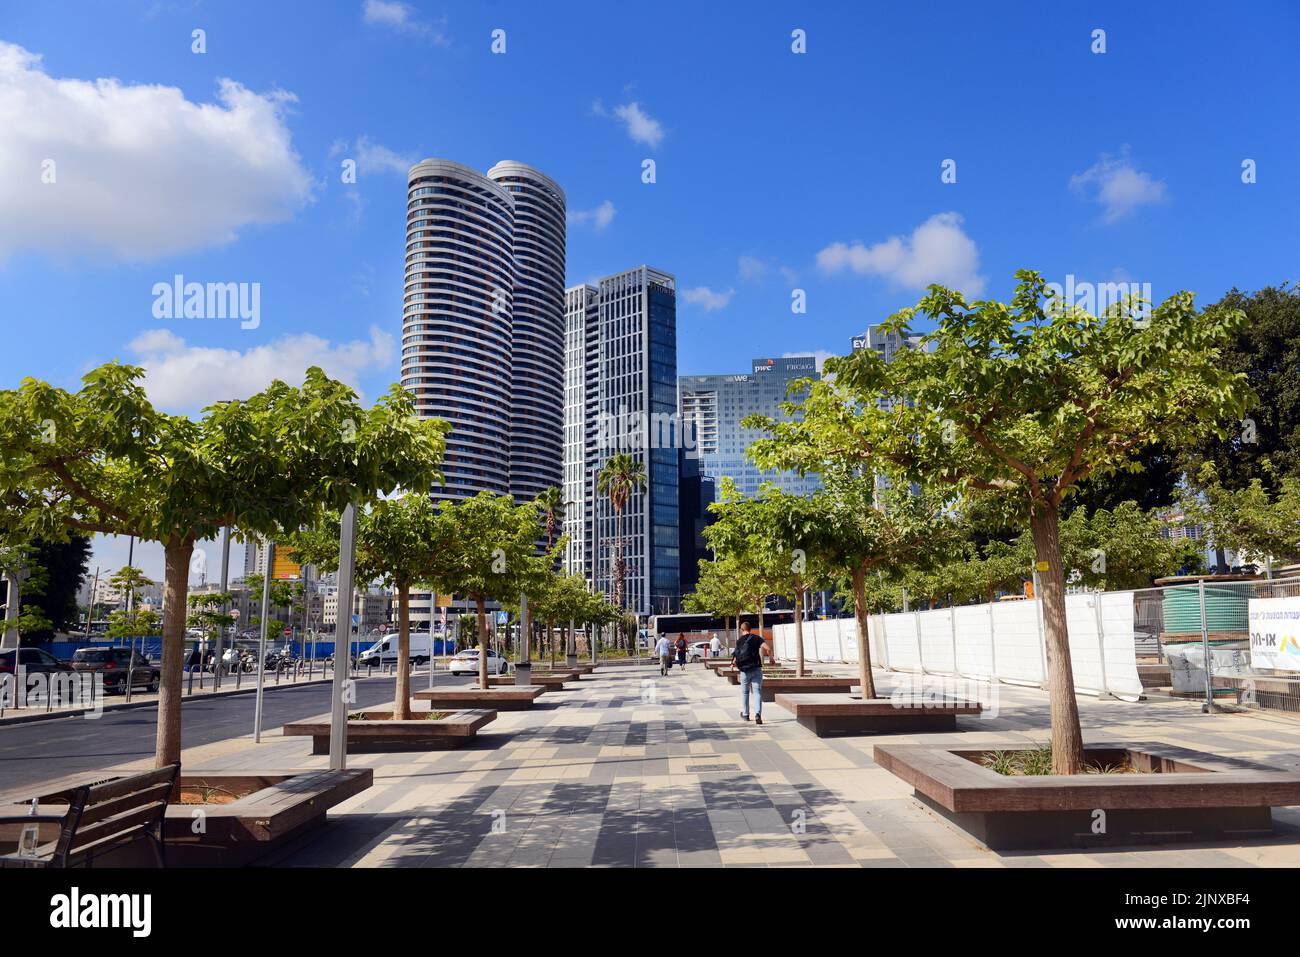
{"x": 753, "y": 678}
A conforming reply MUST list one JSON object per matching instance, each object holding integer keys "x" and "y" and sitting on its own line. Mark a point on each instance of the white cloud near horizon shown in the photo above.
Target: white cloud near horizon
{"x": 182, "y": 378}
{"x": 1118, "y": 186}
{"x": 706, "y": 298}
{"x": 937, "y": 251}
{"x": 139, "y": 171}
{"x": 598, "y": 218}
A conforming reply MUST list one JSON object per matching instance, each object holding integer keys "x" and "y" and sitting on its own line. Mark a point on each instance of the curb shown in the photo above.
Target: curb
{"x": 134, "y": 705}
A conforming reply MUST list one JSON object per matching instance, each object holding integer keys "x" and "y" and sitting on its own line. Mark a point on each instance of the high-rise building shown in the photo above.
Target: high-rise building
{"x": 483, "y": 326}
{"x": 715, "y": 405}
{"x": 537, "y": 330}
{"x": 621, "y": 397}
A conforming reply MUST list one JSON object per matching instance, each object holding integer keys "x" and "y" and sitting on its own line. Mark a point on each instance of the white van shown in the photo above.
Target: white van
{"x": 384, "y": 651}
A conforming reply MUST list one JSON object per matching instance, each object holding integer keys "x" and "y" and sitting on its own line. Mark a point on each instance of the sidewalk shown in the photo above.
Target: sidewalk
{"x": 628, "y": 769}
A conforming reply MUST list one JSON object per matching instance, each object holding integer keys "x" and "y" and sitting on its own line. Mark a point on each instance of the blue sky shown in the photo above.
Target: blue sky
{"x": 775, "y": 170}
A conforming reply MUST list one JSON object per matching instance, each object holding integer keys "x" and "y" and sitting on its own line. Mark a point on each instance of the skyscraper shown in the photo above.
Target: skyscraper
{"x": 621, "y": 396}
{"x": 483, "y": 325}
{"x": 715, "y": 405}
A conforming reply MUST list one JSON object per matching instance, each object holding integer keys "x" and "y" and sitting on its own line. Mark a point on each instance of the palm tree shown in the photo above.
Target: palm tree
{"x": 551, "y": 504}
{"x": 621, "y": 476}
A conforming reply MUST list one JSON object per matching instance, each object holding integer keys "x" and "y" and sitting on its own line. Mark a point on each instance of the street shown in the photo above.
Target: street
{"x": 42, "y": 750}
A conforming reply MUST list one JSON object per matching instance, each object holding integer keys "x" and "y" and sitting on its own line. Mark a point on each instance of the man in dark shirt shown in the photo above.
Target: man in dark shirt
{"x": 748, "y": 657}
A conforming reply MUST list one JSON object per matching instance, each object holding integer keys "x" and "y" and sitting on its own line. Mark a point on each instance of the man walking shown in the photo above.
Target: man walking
{"x": 748, "y": 657}
{"x": 715, "y": 646}
{"x": 664, "y": 650}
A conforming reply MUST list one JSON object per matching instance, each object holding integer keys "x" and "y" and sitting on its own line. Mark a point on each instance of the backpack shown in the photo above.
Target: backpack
{"x": 747, "y": 656}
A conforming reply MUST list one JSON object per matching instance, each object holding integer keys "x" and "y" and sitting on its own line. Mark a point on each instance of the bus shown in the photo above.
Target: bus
{"x": 703, "y": 627}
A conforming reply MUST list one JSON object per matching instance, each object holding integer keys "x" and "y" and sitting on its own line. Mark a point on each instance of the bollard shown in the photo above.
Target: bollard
{"x": 190, "y": 687}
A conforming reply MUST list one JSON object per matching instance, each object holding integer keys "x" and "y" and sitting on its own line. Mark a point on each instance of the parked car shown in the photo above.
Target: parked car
{"x": 697, "y": 651}
{"x": 384, "y": 651}
{"x": 466, "y": 663}
{"x": 115, "y": 664}
{"x": 35, "y": 661}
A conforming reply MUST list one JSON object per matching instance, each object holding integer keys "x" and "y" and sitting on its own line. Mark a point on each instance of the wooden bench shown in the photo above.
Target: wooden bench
{"x": 549, "y": 682}
{"x": 101, "y": 818}
{"x": 472, "y": 696}
{"x": 827, "y": 714}
{"x": 783, "y": 685}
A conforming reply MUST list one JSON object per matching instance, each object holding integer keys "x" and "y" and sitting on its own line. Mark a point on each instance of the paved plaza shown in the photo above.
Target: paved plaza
{"x": 627, "y": 769}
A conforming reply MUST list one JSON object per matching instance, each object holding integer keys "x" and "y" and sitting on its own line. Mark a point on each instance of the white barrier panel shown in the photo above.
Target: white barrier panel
{"x": 1002, "y": 641}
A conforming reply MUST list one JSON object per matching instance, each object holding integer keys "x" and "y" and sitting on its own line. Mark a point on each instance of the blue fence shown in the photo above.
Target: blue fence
{"x": 151, "y": 647}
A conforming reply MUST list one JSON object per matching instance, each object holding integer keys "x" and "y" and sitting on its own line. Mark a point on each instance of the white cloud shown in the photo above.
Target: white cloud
{"x": 599, "y": 218}
{"x": 401, "y": 17}
{"x": 139, "y": 171}
{"x": 1115, "y": 183}
{"x": 754, "y": 268}
{"x": 640, "y": 125}
{"x": 374, "y": 157}
{"x": 183, "y": 378}
{"x": 938, "y": 250}
{"x": 706, "y": 298}
{"x": 821, "y": 355}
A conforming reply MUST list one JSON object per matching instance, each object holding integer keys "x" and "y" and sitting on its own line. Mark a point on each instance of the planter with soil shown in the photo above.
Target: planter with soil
{"x": 548, "y": 682}
{"x": 1127, "y": 794}
{"x": 783, "y": 684}
{"x": 373, "y": 731}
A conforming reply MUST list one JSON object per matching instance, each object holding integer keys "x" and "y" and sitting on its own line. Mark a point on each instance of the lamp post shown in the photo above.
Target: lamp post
{"x": 343, "y": 629}
{"x": 261, "y": 644}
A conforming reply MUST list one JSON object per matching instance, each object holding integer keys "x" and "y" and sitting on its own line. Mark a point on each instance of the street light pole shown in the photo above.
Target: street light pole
{"x": 343, "y": 629}
{"x": 261, "y": 644}
{"x": 225, "y": 606}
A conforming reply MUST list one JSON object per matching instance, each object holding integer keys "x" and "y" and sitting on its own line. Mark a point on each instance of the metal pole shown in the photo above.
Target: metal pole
{"x": 343, "y": 628}
{"x": 1101, "y": 647}
{"x": 1208, "y": 707}
{"x": 524, "y": 669}
{"x": 225, "y": 606}
{"x": 12, "y": 598}
{"x": 261, "y": 643}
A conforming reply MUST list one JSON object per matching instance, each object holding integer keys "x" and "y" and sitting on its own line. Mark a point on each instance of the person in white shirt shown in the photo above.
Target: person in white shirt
{"x": 664, "y": 649}
{"x": 715, "y": 646}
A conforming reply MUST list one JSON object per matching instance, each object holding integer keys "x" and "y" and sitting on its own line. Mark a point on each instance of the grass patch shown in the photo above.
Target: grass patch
{"x": 1038, "y": 761}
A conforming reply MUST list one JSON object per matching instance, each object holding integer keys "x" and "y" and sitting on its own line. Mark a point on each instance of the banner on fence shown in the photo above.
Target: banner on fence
{"x": 1275, "y": 633}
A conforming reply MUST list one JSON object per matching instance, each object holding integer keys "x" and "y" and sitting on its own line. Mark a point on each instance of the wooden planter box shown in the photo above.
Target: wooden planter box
{"x": 1186, "y": 796}
{"x": 377, "y": 732}
{"x": 549, "y": 682}
{"x": 733, "y": 676}
{"x": 474, "y": 697}
{"x": 778, "y": 685}
{"x": 260, "y": 813}
{"x": 830, "y": 714}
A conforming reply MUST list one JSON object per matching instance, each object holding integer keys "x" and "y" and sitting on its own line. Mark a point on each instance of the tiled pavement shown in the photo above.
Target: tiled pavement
{"x": 630, "y": 769}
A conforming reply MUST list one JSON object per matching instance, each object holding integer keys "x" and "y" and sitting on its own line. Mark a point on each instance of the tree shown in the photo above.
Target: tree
{"x": 1017, "y": 403}
{"x": 617, "y": 480}
{"x": 58, "y": 569}
{"x": 1266, "y": 350}
{"x": 131, "y": 621}
{"x": 1251, "y": 519}
{"x": 775, "y": 533}
{"x": 486, "y": 552}
{"x": 208, "y": 612}
{"x": 551, "y": 505}
{"x": 104, "y": 460}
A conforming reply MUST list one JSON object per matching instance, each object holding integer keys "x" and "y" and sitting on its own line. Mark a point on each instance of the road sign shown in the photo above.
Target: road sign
{"x": 288, "y": 633}
{"x": 501, "y": 618}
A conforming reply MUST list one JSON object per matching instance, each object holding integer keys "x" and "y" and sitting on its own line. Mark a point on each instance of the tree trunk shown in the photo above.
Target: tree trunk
{"x": 552, "y": 648}
{"x": 481, "y": 606}
{"x": 402, "y": 693}
{"x": 1067, "y": 738}
{"x": 176, "y": 581}
{"x": 863, "y": 614}
{"x": 798, "y": 628}
{"x": 762, "y": 606}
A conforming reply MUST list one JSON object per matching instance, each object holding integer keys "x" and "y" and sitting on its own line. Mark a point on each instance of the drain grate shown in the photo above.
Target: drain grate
{"x": 704, "y": 768}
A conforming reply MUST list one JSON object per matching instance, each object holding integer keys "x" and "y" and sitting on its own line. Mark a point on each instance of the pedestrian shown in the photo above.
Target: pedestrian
{"x": 748, "y": 656}
{"x": 715, "y": 646}
{"x": 681, "y": 651}
{"x": 664, "y": 652}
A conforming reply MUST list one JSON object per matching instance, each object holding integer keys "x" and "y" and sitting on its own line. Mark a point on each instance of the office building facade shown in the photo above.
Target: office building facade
{"x": 621, "y": 397}
{"x": 715, "y": 405}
